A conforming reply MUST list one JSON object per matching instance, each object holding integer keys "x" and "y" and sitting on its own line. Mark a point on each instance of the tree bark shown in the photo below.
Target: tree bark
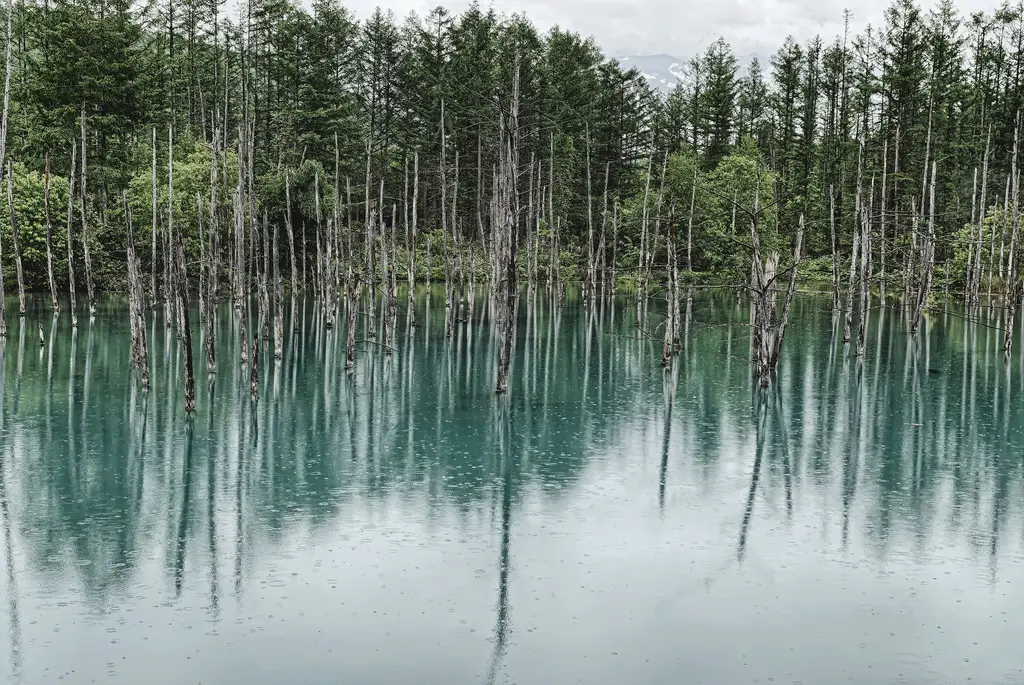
{"x": 49, "y": 235}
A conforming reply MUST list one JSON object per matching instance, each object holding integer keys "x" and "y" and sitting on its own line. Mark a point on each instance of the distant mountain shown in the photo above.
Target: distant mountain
{"x": 663, "y": 72}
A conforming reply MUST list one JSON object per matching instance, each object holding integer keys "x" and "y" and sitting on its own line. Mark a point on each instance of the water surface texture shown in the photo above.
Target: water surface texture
{"x": 609, "y": 522}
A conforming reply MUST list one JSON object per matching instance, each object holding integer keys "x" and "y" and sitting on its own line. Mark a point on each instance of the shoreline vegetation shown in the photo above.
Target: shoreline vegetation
{"x": 285, "y": 152}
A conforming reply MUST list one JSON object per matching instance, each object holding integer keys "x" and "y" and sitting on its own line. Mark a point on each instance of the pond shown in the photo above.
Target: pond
{"x": 609, "y": 521}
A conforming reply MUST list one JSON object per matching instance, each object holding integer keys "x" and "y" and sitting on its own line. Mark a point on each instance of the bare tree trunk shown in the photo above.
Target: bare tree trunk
{"x": 254, "y": 372}
{"x": 969, "y": 275}
{"x": 49, "y": 235}
{"x": 186, "y": 329}
{"x": 3, "y": 150}
{"x": 152, "y": 266}
{"x": 278, "y": 301}
{"x": 291, "y": 249}
{"x": 836, "y": 263}
{"x": 927, "y": 262}
{"x": 507, "y": 223}
{"x": 615, "y": 248}
{"x": 672, "y": 307}
{"x": 353, "y": 303}
{"x": 69, "y": 233}
{"x": 591, "y": 248}
{"x": 983, "y": 210}
{"x": 1013, "y": 289}
{"x": 210, "y": 335}
{"x": 640, "y": 294}
{"x": 15, "y": 240}
{"x": 242, "y": 297}
{"x": 411, "y": 237}
{"x": 882, "y": 247}
{"x": 140, "y": 353}
{"x": 602, "y": 246}
{"x": 85, "y": 236}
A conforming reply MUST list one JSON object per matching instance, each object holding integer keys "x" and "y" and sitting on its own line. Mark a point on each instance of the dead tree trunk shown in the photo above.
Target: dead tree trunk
{"x": 836, "y": 262}
{"x": 927, "y": 262}
{"x": 136, "y": 307}
{"x": 15, "y": 240}
{"x": 1013, "y": 289}
{"x": 671, "y": 290}
{"x": 982, "y": 211}
{"x": 3, "y": 149}
{"x": 186, "y": 329}
{"x": 883, "y": 218}
{"x": 969, "y": 275}
{"x": 411, "y": 237}
{"x": 85, "y": 229}
{"x": 291, "y": 249}
{"x": 278, "y": 301}
{"x": 49, "y": 235}
{"x": 507, "y": 223}
{"x": 69, "y": 233}
{"x": 152, "y": 258}
{"x": 254, "y": 372}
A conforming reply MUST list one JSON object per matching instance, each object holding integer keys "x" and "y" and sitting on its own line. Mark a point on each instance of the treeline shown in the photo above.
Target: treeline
{"x": 311, "y": 115}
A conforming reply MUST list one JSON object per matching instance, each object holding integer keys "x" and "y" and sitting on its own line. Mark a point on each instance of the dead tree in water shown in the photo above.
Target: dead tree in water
{"x": 410, "y": 245}
{"x": 15, "y": 240}
{"x": 186, "y": 329}
{"x": 152, "y": 263}
{"x": 210, "y": 330}
{"x": 353, "y": 303}
{"x": 837, "y": 279}
{"x": 506, "y": 225}
{"x": 3, "y": 309}
{"x": 769, "y": 327}
{"x": 68, "y": 233}
{"x": 672, "y": 293}
{"x": 975, "y": 284}
{"x": 1013, "y": 290}
{"x": 136, "y": 307}
{"x": 3, "y": 149}
{"x": 926, "y": 262}
{"x": 291, "y": 249}
{"x": 278, "y": 302}
{"x": 857, "y": 246}
{"x": 49, "y": 235}
{"x": 85, "y": 226}
{"x": 254, "y": 373}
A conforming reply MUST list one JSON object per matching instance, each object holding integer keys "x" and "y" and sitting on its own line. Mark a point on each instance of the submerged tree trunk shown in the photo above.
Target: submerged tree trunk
{"x": 1013, "y": 289}
{"x": 49, "y": 235}
{"x": 186, "y": 329}
{"x": 507, "y": 224}
{"x": 254, "y": 372}
{"x": 3, "y": 150}
{"x": 926, "y": 262}
{"x": 291, "y": 249}
{"x": 15, "y": 241}
{"x": 85, "y": 229}
{"x": 69, "y": 233}
{"x": 140, "y": 353}
{"x": 278, "y": 301}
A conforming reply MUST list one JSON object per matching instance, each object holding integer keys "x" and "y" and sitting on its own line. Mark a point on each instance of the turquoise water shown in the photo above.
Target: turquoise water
{"x": 609, "y": 521}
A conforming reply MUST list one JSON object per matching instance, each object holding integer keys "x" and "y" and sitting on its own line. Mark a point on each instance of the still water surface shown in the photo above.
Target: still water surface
{"x": 610, "y": 522}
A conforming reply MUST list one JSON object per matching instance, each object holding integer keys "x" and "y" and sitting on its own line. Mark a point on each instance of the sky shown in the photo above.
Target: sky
{"x": 682, "y": 28}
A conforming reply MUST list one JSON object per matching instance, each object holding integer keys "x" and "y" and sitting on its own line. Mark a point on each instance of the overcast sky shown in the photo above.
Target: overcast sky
{"x": 682, "y": 27}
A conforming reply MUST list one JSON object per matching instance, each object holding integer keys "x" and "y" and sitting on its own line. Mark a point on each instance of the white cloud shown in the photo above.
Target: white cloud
{"x": 626, "y": 27}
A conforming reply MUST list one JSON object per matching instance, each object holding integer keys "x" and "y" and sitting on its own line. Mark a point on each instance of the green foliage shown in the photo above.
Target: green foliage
{"x": 30, "y": 214}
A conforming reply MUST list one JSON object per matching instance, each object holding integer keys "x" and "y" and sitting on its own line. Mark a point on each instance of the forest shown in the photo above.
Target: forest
{"x": 179, "y": 150}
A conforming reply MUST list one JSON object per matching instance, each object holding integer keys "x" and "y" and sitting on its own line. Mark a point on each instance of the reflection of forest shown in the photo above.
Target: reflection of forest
{"x": 913, "y": 442}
